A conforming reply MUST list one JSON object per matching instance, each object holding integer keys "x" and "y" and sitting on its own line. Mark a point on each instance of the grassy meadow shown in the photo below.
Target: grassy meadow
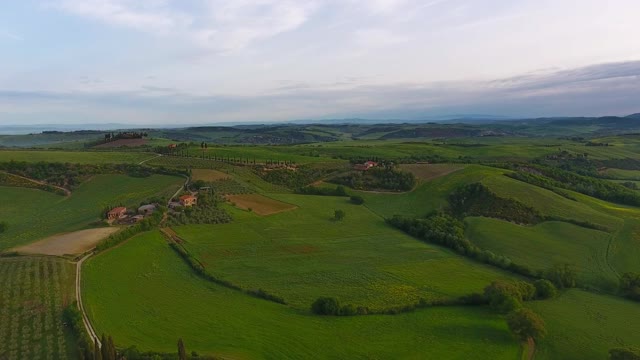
{"x": 359, "y": 260}
{"x": 78, "y": 157}
{"x": 584, "y": 326}
{"x": 35, "y": 291}
{"x": 34, "y": 214}
{"x": 546, "y": 244}
{"x": 152, "y": 300}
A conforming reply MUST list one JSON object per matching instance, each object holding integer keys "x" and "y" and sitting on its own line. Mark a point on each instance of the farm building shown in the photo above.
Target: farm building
{"x": 146, "y": 209}
{"x": 174, "y": 205}
{"x": 117, "y": 213}
{"x": 188, "y": 200}
{"x": 366, "y": 166}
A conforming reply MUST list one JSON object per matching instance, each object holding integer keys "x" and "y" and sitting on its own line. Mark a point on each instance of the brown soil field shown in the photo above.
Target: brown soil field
{"x": 76, "y": 242}
{"x": 431, "y": 171}
{"x": 259, "y": 204}
{"x": 123, "y": 143}
{"x": 208, "y": 175}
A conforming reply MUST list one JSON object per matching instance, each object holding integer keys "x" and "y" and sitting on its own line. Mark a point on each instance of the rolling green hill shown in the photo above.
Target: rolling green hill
{"x": 151, "y": 300}
{"x": 303, "y": 254}
{"x": 546, "y": 244}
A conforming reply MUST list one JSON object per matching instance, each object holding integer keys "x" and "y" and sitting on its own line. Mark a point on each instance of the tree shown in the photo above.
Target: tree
{"x": 338, "y": 215}
{"x": 326, "y": 306}
{"x": 105, "y": 348}
{"x": 630, "y": 285}
{"x": 545, "y": 289}
{"x": 562, "y": 276}
{"x": 111, "y": 348}
{"x": 97, "y": 355}
{"x": 357, "y": 199}
{"x": 182, "y": 353}
{"x": 506, "y": 296}
{"x": 624, "y": 354}
{"x": 525, "y": 324}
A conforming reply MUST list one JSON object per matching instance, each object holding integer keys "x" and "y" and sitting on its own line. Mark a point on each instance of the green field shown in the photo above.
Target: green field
{"x": 549, "y": 203}
{"x": 542, "y": 246}
{"x": 584, "y": 326}
{"x": 34, "y": 214}
{"x": 35, "y": 291}
{"x": 152, "y": 300}
{"x": 79, "y": 157}
{"x": 429, "y": 195}
{"x": 359, "y": 260}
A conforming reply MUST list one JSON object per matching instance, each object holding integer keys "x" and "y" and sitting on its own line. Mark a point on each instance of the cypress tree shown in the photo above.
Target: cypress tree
{"x": 112, "y": 349}
{"x": 97, "y": 355}
{"x": 105, "y": 348}
{"x": 182, "y": 353}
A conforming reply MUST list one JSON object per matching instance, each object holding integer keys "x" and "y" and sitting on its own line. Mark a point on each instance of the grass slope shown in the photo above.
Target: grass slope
{"x": 34, "y": 214}
{"x": 540, "y": 247}
{"x": 152, "y": 300}
{"x": 303, "y": 254}
{"x": 584, "y": 326}
{"x": 79, "y": 157}
{"x": 429, "y": 195}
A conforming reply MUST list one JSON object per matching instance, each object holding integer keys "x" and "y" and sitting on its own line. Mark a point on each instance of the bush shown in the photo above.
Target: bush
{"x": 630, "y": 285}
{"x": 525, "y": 324}
{"x": 338, "y": 215}
{"x": 326, "y": 306}
{"x": 504, "y": 296}
{"x": 3, "y": 226}
{"x": 624, "y": 354}
{"x": 562, "y": 276}
{"x": 358, "y": 200}
{"x": 545, "y": 289}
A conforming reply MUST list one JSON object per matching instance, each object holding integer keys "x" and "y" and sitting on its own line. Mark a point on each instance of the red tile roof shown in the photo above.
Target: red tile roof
{"x": 117, "y": 210}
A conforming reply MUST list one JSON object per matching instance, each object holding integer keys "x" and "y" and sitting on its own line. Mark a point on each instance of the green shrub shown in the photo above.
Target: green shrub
{"x": 545, "y": 289}
{"x": 326, "y": 306}
{"x": 630, "y": 285}
{"x": 525, "y": 324}
{"x": 624, "y": 354}
{"x": 357, "y": 199}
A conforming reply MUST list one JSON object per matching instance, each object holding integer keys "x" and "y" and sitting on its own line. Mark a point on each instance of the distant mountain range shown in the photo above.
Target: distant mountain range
{"x": 444, "y": 119}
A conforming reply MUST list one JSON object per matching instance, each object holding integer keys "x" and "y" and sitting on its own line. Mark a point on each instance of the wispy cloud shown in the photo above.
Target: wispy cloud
{"x": 8, "y": 35}
{"x": 223, "y": 26}
{"x": 594, "y": 90}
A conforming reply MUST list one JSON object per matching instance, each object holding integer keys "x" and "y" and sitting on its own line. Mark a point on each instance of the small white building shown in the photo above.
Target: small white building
{"x": 147, "y": 209}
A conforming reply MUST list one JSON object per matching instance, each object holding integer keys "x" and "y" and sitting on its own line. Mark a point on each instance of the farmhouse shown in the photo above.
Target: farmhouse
{"x": 146, "y": 209}
{"x": 366, "y": 166}
{"x": 117, "y": 213}
{"x": 188, "y": 200}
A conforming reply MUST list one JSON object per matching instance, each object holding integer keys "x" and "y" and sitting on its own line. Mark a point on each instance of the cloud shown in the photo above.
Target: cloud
{"x": 148, "y": 15}
{"x": 223, "y": 26}
{"x": 594, "y": 90}
{"x": 4, "y": 34}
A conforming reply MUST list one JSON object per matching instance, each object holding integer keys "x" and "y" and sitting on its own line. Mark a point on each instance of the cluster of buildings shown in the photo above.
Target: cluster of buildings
{"x": 122, "y": 215}
{"x": 187, "y": 200}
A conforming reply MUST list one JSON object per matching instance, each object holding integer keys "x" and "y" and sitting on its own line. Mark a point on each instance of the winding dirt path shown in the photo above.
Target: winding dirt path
{"x": 85, "y": 319}
{"x": 149, "y": 159}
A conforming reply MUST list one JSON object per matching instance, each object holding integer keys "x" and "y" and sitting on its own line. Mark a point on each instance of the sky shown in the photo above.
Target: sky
{"x": 172, "y": 62}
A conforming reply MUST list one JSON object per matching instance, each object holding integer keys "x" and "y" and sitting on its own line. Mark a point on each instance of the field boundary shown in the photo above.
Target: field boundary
{"x": 66, "y": 191}
{"x": 85, "y": 318}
